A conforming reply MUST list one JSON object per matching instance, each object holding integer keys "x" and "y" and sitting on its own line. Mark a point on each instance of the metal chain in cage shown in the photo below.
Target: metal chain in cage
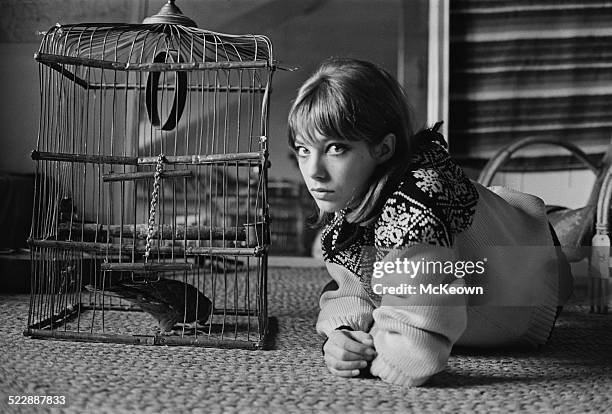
{"x": 159, "y": 168}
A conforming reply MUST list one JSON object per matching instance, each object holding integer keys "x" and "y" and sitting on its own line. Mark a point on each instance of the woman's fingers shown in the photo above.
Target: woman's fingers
{"x": 334, "y": 351}
{"x": 339, "y": 365}
{"x": 340, "y": 353}
{"x": 345, "y": 374}
{"x": 345, "y": 341}
{"x": 344, "y": 368}
{"x": 346, "y": 352}
{"x": 362, "y": 337}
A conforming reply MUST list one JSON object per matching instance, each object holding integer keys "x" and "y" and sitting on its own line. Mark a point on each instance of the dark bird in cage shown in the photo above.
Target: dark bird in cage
{"x": 169, "y": 301}
{"x": 67, "y": 211}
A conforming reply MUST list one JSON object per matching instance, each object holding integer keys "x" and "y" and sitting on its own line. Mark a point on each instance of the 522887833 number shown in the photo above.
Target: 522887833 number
{"x": 36, "y": 399}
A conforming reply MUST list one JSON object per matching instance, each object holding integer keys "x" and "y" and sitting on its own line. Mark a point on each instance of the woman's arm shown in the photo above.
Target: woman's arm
{"x": 345, "y": 318}
{"x": 349, "y": 305}
{"x": 414, "y": 333}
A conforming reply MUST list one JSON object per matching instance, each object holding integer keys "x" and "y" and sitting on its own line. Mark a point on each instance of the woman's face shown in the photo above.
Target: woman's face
{"x": 335, "y": 171}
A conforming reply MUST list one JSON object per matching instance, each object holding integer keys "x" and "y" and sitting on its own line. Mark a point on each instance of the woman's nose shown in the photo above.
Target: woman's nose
{"x": 316, "y": 168}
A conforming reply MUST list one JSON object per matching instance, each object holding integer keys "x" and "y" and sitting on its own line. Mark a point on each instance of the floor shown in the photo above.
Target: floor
{"x": 572, "y": 374}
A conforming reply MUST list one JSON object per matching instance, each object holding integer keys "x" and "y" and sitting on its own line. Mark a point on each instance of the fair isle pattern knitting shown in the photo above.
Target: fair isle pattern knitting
{"x": 434, "y": 201}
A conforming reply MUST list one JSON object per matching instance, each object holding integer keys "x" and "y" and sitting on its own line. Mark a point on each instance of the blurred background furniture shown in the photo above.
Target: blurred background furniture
{"x": 583, "y": 232}
{"x": 15, "y": 219}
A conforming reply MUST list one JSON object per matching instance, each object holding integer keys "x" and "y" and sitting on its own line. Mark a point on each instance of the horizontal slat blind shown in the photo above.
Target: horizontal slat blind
{"x": 529, "y": 68}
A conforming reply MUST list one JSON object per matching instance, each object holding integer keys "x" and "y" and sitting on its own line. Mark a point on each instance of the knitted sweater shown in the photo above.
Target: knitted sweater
{"x": 437, "y": 215}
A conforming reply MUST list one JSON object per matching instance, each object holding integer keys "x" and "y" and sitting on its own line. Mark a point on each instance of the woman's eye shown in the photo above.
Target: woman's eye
{"x": 336, "y": 149}
{"x": 301, "y": 151}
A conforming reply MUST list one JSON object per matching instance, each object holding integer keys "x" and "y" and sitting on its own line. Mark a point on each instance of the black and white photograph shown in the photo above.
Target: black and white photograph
{"x": 306, "y": 206}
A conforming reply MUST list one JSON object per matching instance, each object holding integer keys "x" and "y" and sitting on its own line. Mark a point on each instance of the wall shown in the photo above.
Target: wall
{"x": 20, "y": 22}
{"x": 562, "y": 188}
{"x": 20, "y": 106}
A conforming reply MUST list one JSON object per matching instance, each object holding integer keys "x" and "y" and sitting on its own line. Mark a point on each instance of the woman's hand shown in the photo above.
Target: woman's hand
{"x": 346, "y": 352}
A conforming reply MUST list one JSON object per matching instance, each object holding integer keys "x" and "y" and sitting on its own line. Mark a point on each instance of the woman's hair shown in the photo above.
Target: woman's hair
{"x": 354, "y": 100}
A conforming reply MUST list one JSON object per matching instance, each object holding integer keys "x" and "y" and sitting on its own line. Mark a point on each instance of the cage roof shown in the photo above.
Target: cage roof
{"x": 152, "y": 47}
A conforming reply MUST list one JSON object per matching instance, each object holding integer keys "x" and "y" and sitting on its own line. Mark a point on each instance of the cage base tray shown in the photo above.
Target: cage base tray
{"x": 137, "y": 328}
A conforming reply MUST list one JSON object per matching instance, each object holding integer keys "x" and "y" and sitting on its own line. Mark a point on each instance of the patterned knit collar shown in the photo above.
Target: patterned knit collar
{"x": 433, "y": 182}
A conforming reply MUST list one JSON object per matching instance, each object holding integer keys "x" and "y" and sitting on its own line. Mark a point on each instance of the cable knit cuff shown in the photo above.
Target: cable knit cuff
{"x": 408, "y": 354}
{"x": 356, "y": 322}
{"x": 400, "y": 362}
{"x": 386, "y": 371}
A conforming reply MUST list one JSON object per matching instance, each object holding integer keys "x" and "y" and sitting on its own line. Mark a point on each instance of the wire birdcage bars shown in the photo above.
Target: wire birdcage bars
{"x": 151, "y": 165}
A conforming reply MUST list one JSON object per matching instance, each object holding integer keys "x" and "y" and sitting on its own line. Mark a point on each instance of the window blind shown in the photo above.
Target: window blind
{"x": 529, "y": 68}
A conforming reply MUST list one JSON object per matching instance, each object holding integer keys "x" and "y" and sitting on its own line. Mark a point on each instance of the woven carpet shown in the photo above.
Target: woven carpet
{"x": 572, "y": 374}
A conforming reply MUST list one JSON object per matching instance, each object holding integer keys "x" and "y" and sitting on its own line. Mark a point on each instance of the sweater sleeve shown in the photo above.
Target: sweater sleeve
{"x": 349, "y": 305}
{"x": 414, "y": 333}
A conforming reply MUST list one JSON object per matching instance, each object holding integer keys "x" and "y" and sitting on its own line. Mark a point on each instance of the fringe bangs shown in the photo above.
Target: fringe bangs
{"x": 320, "y": 110}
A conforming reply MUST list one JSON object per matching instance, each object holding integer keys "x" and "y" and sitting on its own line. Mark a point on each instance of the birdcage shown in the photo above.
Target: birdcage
{"x": 150, "y": 222}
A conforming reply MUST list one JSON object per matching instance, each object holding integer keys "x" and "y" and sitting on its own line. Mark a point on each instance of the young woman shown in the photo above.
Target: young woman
{"x": 421, "y": 257}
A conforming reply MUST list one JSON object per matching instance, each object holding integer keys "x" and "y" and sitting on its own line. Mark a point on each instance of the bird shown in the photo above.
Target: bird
{"x": 169, "y": 301}
{"x": 67, "y": 210}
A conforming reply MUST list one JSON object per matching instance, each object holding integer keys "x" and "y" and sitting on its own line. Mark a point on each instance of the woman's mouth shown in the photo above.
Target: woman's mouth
{"x": 321, "y": 193}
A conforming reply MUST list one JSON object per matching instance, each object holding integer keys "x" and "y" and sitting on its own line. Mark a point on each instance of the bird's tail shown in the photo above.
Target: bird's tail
{"x": 117, "y": 291}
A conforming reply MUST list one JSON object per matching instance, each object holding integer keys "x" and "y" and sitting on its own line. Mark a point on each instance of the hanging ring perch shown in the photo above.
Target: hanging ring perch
{"x": 180, "y": 95}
